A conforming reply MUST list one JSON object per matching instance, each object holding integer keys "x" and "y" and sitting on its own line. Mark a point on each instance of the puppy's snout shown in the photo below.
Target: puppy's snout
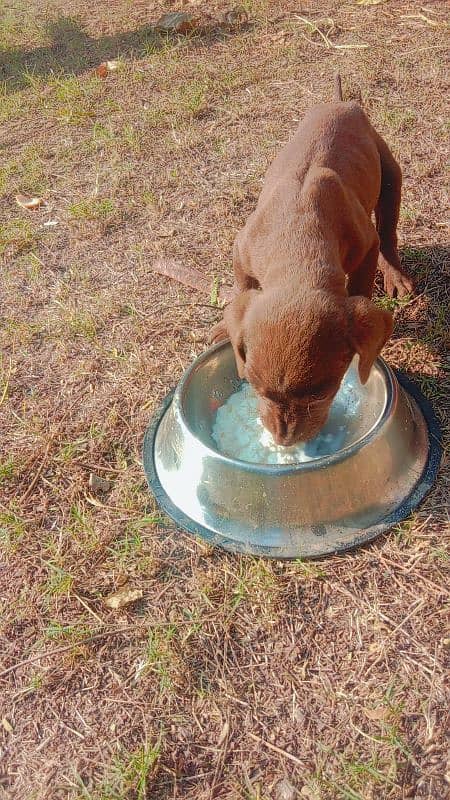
{"x": 281, "y": 429}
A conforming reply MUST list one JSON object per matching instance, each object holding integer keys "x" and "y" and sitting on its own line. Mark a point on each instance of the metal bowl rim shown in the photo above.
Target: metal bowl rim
{"x": 408, "y": 505}
{"x": 303, "y": 466}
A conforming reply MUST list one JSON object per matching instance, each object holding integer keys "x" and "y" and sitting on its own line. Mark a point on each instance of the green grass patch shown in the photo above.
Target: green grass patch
{"x": 7, "y": 470}
{"x": 12, "y": 530}
{"x": 128, "y": 776}
{"x": 59, "y": 582}
{"x": 71, "y": 633}
{"x": 391, "y": 303}
{"x": 17, "y": 234}
{"x": 93, "y": 209}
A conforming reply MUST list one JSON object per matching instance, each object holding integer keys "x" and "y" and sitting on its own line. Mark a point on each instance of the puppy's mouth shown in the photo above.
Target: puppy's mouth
{"x": 294, "y": 436}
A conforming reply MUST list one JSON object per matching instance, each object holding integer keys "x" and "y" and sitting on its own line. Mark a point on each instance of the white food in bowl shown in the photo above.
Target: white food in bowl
{"x": 239, "y": 432}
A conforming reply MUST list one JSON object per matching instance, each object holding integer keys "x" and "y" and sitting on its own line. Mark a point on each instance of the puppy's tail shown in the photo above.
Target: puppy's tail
{"x": 338, "y": 90}
{"x": 337, "y": 87}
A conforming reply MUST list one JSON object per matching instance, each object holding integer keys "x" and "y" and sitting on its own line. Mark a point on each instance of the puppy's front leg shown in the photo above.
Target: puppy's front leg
{"x": 361, "y": 281}
{"x": 219, "y": 332}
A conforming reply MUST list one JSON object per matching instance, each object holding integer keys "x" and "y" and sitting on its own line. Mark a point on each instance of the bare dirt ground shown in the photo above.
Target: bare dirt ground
{"x": 230, "y": 677}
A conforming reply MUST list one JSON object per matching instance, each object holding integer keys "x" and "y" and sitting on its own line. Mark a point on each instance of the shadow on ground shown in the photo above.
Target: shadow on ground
{"x": 72, "y": 51}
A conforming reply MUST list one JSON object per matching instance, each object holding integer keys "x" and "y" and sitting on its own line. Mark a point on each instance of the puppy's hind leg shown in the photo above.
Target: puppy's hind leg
{"x": 396, "y": 281}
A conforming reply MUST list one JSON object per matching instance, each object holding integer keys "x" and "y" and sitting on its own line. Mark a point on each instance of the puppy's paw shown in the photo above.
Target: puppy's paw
{"x": 397, "y": 283}
{"x": 218, "y": 333}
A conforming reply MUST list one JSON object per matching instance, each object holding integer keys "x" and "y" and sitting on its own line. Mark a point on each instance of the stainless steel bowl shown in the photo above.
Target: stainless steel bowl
{"x": 384, "y": 463}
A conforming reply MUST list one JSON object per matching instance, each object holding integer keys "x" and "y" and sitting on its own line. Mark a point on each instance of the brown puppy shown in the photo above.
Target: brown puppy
{"x": 305, "y": 265}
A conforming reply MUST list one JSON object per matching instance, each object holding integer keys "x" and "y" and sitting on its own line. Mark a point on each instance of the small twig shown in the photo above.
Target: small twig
{"x": 6, "y": 386}
{"x": 328, "y": 43}
{"x": 37, "y": 474}
{"x": 277, "y": 750}
{"x": 89, "y": 609}
{"x": 87, "y": 639}
{"x": 66, "y": 647}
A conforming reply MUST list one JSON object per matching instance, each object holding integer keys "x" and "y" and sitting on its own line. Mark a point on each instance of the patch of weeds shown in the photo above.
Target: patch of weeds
{"x": 71, "y": 633}
{"x": 404, "y": 531}
{"x": 17, "y": 234}
{"x": 82, "y": 529}
{"x": 127, "y": 548}
{"x": 239, "y": 593}
{"x": 120, "y": 456}
{"x": 392, "y": 303}
{"x": 32, "y": 266}
{"x": 129, "y": 776}
{"x": 256, "y": 9}
{"x": 438, "y": 329}
{"x": 29, "y": 172}
{"x": 74, "y": 100}
{"x": 131, "y": 137}
{"x": 309, "y": 569}
{"x": 12, "y": 530}
{"x": 439, "y": 554}
{"x": 149, "y": 520}
{"x": 36, "y": 683}
{"x": 161, "y": 49}
{"x": 7, "y": 470}
{"x": 156, "y": 117}
{"x": 159, "y": 656}
{"x": 393, "y": 739}
{"x": 132, "y": 496}
{"x": 408, "y": 214}
{"x": 58, "y": 582}
{"x": 102, "y": 136}
{"x": 82, "y": 324}
{"x": 11, "y": 106}
{"x": 416, "y": 255}
{"x": 149, "y": 198}
{"x": 22, "y": 331}
{"x": 191, "y": 99}
{"x": 431, "y": 386}
{"x": 214, "y": 296}
{"x": 399, "y": 119}
{"x": 92, "y": 209}
{"x": 70, "y": 450}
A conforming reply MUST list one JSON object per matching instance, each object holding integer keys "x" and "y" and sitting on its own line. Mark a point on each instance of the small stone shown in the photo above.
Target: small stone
{"x": 284, "y": 790}
{"x": 99, "y": 485}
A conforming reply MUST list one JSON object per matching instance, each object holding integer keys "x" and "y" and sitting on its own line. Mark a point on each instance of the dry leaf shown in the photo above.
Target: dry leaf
{"x": 30, "y": 203}
{"x": 123, "y": 598}
{"x": 98, "y": 484}
{"x": 106, "y": 67}
{"x": 284, "y": 790}
{"x": 178, "y": 22}
{"x": 7, "y": 725}
{"x": 369, "y": 2}
{"x": 223, "y": 734}
{"x": 378, "y": 713}
{"x": 236, "y": 18}
{"x": 102, "y": 70}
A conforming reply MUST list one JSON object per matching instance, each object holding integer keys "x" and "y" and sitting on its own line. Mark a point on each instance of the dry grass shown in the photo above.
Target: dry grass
{"x": 231, "y": 675}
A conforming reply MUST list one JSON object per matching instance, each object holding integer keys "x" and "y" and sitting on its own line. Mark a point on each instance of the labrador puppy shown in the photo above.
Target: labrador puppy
{"x": 305, "y": 264}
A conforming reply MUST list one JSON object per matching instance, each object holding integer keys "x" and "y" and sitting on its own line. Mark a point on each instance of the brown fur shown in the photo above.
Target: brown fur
{"x": 305, "y": 265}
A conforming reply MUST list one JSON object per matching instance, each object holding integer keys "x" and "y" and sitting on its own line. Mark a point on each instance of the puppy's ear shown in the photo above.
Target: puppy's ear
{"x": 369, "y": 329}
{"x": 234, "y": 320}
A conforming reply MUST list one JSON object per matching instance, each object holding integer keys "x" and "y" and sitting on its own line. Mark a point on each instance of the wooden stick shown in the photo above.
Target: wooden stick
{"x": 277, "y": 750}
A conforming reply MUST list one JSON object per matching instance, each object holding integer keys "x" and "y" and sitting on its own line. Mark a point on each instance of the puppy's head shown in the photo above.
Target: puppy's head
{"x": 295, "y": 352}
